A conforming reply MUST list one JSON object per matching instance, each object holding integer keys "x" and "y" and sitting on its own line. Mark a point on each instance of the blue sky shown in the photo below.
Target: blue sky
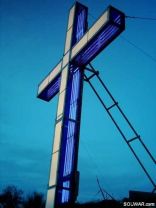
{"x": 32, "y": 41}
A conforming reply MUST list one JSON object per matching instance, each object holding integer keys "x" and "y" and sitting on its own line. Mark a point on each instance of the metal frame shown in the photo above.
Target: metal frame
{"x": 68, "y": 117}
{"x": 67, "y": 79}
{"x": 108, "y": 27}
{"x": 108, "y": 110}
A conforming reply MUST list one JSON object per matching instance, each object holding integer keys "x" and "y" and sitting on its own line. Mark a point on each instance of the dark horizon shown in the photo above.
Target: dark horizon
{"x": 12, "y": 197}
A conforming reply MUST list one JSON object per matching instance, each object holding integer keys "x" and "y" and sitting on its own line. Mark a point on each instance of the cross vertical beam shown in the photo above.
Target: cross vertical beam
{"x": 63, "y": 180}
{"x": 82, "y": 46}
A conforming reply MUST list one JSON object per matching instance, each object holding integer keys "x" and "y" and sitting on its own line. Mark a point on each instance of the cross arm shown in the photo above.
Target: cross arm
{"x": 49, "y": 87}
{"x": 102, "y": 33}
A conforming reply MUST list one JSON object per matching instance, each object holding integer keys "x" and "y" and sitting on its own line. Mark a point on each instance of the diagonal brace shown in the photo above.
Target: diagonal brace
{"x": 118, "y": 127}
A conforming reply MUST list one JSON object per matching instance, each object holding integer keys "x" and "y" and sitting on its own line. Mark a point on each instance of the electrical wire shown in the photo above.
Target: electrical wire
{"x": 91, "y": 157}
{"x": 93, "y": 161}
{"x": 92, "y": 16}
{"x": 140, "y": 18}
{"x": 129, "y": 17}
{"x": 130, "y": 42}
{"x": 139, "y": 48}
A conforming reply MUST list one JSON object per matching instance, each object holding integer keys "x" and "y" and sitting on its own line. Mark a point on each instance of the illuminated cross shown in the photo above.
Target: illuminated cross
{"x": 82, "y": 46}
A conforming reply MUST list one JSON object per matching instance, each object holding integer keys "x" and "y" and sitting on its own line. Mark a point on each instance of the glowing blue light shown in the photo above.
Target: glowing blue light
{"x": 80, "y": 26}
{"x": 71, "y": 124}
{"x": 70, "y": 135}
{"x": 94, "y": 48}
{"x": 54, "y": 88}
{"x": 65, "y": 193}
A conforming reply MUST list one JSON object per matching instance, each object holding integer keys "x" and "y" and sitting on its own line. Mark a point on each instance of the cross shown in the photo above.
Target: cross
{"x": 66, "y": 79}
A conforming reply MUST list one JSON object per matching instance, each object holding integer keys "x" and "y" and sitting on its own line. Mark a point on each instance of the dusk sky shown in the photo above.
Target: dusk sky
{"x": 32, "y": 36}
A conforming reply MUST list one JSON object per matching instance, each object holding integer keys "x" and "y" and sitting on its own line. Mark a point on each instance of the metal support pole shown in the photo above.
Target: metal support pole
{"x": 101, "y": 190}
{"x": 121, "y": 111}
{"x": 117, "y": 126}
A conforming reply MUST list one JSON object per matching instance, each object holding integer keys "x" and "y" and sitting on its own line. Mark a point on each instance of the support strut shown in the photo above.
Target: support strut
{"x": 108, "y": 109}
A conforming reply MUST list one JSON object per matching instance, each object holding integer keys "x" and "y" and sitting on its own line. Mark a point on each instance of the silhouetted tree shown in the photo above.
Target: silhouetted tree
{"x": 36, "y": 200}
{"x": 11, "y": 197}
